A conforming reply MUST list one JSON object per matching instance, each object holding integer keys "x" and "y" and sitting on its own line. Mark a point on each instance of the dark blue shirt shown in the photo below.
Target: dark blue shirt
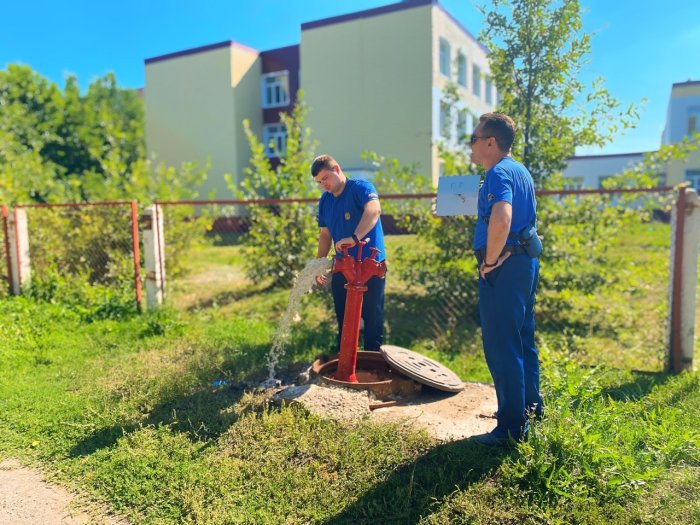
{"x": 508, "y": 181}
{"x": 342, "y": 214}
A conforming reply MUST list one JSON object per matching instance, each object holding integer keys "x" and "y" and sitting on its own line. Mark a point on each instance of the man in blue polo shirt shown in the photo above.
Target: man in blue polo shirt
{"x": 508, "y": 278}
{"x": 348, "y": 212}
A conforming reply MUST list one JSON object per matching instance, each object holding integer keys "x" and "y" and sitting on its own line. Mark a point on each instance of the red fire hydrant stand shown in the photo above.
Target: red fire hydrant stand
{"x": 357, "y": 272}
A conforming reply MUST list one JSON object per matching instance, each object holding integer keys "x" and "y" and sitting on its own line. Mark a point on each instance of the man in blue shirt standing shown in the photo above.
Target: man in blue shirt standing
{"x": 348, "y": 212}
{"x": 508, "y": 278}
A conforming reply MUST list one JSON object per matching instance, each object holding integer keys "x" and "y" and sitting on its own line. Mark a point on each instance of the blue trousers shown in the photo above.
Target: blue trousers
{"x": 372, "y": 309}
{"x": 506, "y": 308}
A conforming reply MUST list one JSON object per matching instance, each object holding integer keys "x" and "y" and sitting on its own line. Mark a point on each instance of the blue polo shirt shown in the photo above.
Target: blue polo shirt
{"x": 342, "y": 214}
{"x": 511, "y": 182}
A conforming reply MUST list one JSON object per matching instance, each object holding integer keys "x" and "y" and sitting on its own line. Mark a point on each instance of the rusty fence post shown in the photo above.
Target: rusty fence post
{"x": 684, "y": 257}
{"x": 136, "y": 252}
{"x": 6, "y": 243}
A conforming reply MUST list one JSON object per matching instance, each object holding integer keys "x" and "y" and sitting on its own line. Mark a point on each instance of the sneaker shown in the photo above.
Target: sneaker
{"x": 495, "y": 438}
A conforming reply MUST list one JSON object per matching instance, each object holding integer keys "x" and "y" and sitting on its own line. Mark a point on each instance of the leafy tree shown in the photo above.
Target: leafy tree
{"x": 61, "y": 146}
{"x": 536, "y": 66}
{"x": 73, "y": 136}
{"x": 282, "y": 238}
{"x": 31, "y": 109}
{"x": 537, "y": 50}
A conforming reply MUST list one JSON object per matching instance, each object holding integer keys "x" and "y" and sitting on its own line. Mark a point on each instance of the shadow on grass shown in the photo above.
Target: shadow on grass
{"x": 640, "y": 386}
{"x": 413, "y": 491}
{"x": 205, "y": 414}
{"x": 201, "y": 415}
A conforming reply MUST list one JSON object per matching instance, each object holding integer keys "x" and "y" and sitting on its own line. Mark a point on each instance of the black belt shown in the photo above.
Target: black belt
{"x": 514, "y": 250}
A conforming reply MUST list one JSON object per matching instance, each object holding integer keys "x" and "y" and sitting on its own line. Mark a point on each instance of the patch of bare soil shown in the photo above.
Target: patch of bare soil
{"x": 26, "y": 498}
{"x": 445, "y": 416}
{"x": 335, "y": 403}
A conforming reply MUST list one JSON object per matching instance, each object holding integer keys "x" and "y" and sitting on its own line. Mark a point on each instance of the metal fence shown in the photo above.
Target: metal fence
{"x": 604, "y": 281}
{"x": 82, "y": 249}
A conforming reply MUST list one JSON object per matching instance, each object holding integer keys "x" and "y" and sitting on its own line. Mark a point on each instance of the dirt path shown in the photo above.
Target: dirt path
{"x": 27, "y": 499}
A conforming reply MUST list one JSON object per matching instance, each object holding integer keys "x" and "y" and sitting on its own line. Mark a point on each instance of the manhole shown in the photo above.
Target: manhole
{"x": 422, "y": 369}
{"x": 373, "y": 374}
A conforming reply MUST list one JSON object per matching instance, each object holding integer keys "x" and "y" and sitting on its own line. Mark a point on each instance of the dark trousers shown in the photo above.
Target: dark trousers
{"x": 372, "y": 309}
{"x": 506, "y": 307}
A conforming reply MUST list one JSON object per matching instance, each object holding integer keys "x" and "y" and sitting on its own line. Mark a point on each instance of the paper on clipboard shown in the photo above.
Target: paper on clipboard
{"x": 458, "y": 195}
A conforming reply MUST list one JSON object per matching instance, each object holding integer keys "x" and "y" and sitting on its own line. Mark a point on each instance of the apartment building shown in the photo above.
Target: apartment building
{"x": 373, "y": 80}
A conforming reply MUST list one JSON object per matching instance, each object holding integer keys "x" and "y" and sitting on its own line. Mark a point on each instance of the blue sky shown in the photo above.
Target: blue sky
{"x": 640, "y": 47}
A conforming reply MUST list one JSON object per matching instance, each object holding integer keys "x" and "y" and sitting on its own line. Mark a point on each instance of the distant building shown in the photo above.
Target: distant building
{"x": 682, "y": 120}
{"x": 373, "y": 80}
{"x": 590, "y": 171}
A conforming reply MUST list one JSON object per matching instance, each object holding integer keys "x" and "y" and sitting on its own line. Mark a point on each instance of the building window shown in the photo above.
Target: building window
{"x": 445, "y": 123}
{"x": 488, "y": 88}
{"x": 693, "y": 120}
{"x": 462, "y": 125}
{"x": 445, "y": 57}
{"x": 573, "y": 183}
{"x": 275, "y": 140}
{"x": 275, "y": 89}
{"x": 476, "y": 80}
{"x": 693, "y": 176}
{"x": 462, "y": 69}
{"x": 602, "y": 179}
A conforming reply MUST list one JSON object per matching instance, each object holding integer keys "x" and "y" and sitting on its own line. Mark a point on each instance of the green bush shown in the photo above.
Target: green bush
{"x": 281, "y": 238}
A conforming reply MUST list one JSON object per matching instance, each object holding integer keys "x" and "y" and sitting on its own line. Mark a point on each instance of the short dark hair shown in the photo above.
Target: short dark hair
{"x": 501, "y": 127}
{"x": 322, "y": 162}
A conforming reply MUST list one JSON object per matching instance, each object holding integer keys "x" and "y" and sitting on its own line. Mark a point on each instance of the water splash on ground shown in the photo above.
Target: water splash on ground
{"x": 303, "y": 283}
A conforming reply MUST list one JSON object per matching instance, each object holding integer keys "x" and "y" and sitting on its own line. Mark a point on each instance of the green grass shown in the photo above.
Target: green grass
{"x": 124, "y": 411}
{"x": 620, "y": 318}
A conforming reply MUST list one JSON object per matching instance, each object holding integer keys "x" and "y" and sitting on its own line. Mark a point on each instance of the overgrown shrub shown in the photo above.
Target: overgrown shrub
{"x": 281, "y": 238}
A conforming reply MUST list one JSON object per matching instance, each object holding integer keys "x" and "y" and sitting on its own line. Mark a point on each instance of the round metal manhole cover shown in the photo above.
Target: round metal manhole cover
{"x": 422, "y": 369}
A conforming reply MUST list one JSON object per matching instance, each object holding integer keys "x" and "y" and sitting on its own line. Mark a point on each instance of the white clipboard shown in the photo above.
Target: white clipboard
{"x": 458, "y": 195}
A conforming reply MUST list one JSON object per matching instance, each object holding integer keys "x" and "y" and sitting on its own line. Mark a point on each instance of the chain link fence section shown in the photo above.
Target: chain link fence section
{"x": 603, "y": 292}
{"x": 219, "y": 252}
{"x": 86, "y": 253}
{"x": 5, "y": 263}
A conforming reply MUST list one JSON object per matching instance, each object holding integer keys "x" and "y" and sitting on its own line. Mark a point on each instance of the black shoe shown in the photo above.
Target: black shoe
{"x": 492, "y": 439}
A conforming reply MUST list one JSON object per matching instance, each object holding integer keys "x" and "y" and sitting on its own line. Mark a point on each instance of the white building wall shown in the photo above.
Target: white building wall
{"x": 684, "y": 103}
{"x": 444, "y": 26}
{"x": 587, "y": 172}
